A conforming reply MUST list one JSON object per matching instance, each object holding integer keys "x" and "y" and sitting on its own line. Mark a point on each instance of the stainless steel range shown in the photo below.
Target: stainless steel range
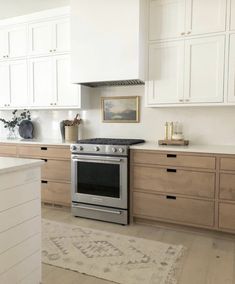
{"x": 100, "y": 179}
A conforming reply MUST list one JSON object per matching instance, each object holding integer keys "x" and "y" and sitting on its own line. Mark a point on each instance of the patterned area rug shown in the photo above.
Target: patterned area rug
{"x": 114, "y": 257}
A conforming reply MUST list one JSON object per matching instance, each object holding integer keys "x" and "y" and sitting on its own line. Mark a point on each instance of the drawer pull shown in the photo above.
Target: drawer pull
{"x": 44, "y": 148}
{"x": 45, "y": 160}
{"x": 171, "y": 170}
{"x": 44, "y": 181}
{"x": 171, "y": 197}
{"x": 171, "y": 156}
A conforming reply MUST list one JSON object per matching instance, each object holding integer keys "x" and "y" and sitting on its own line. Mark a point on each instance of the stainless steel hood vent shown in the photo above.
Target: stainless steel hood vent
{"x": 113, "y": 83}
{"x": 109, "y": 42}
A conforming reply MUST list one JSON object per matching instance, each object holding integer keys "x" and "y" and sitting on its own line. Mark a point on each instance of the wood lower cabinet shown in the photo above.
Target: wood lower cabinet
{"x": 227, "y": 216}
{"x": 173, "y": 187}
{"x": 56, "y": 172}
{"x": 172, "y": 208}
{"x": 55, "y": 192}
{"x": 8, "y": 150}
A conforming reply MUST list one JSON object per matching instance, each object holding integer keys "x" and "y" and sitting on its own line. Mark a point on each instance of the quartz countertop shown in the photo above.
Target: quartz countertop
{"x": 16, "y": 164}
{"x": 211, "y": 149}
{"x": 36, "y": 141}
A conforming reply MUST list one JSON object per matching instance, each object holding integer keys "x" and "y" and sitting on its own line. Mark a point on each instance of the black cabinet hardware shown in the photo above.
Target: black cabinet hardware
{"x": 171, "y": 197}
{"x": 171, "y": 156}
{"x": 44, "y": 181}
{"x": 44, "y": 148}
{"x": 171, "y": 170}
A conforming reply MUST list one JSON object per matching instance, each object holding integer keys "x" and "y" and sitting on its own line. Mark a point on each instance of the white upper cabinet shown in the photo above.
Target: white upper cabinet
{"x": 50, "y": 82}
{"x": 13, "y": 42}
{"x": 41, "y": 82}
{"x": 166, "y": 19}
{"x": 14, "y": 84}
{"x": 67, "y": 94}
{"x": 232, "y": 15}
{"x": 204, "y": 70}
{"x": 4, "y": 85}
{"x": 205, "y": 16}
{"x": 231, "y": 76}
{"x": 166, "y": 68}
{"x": 49, "y": 37}
{"x": 178, "y": 18}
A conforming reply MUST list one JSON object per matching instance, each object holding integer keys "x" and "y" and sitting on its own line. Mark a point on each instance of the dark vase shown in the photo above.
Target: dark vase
{"x": 26, "y": 129}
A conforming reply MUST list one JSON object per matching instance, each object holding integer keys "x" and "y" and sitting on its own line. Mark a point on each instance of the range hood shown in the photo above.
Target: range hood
{"x": 108, "y": 42}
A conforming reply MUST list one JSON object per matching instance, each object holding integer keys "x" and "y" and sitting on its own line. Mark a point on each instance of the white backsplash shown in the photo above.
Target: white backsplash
{"x": 202, "y": 125}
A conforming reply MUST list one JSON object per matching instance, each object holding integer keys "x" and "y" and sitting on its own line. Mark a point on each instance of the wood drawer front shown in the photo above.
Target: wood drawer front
{"x": 227, "y": 186}
{"x": 57, "y": 170}
{"x": 182, "y": 210}
{"x": 227, "y": 216}
{"x": 56, "y": 193}
{"x": 8, "y": 150}
{"x": 41, "y": 151}
{"x": 170, "y": 180}
{"x": 227, "y": 164}
{"x": 174, "y": 160}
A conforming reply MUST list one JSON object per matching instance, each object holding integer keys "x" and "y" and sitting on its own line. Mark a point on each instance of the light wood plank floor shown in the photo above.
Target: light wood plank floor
{"x": 210, "y": 256}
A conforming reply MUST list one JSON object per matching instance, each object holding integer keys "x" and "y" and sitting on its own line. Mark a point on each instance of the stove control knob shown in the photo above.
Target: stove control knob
{"x": 121, "y": 150}
{"x": 114, "y": 150}
{"x": 73, "y": 147}
{"x": 96, "y": 148}
{"x": 80, "y": 148}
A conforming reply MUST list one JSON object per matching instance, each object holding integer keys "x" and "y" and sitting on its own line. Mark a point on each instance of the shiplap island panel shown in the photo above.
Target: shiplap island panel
{"x": 20, "y": 221}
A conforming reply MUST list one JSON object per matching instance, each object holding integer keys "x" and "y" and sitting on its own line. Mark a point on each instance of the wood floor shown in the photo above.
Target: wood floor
{"x": 210, "y": 256}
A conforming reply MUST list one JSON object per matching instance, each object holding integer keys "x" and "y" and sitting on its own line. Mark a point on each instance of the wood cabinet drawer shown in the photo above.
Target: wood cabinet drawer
{"x": 57, "y": 170}
{"x": 181, "y": 210}
{"x": 227, "y": 164}
{"x": 170, "y": 180}
{"x": 41, "y": 151}
{"x": 8, "y": 150}
{"x": 56, "y": 193}
{"x": 227, "y": 216}
{"x": 174, "y": 160}
{"x": 227, "y": 186}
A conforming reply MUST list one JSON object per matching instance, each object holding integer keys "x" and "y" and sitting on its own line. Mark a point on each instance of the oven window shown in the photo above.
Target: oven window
{"x": 98, "y": 179}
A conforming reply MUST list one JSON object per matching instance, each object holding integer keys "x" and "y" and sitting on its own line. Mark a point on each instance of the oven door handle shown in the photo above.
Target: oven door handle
{"x": 97, "y": 209}
{"x": 79, "y": 159}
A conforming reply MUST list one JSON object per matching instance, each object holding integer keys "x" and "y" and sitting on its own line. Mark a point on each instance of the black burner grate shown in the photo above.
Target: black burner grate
{"x": 111, "y": 141}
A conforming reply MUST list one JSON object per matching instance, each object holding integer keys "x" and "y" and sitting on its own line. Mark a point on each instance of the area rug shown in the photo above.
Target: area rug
{"x": 114, "y": 257}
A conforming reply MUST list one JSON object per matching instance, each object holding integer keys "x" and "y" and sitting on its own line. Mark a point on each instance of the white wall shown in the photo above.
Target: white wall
{"x": 12, "y": 8}
{"x": 202, "y": 125}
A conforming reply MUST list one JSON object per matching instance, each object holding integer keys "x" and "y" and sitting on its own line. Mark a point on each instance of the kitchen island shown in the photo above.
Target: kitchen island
{"x": 20, "y": 221}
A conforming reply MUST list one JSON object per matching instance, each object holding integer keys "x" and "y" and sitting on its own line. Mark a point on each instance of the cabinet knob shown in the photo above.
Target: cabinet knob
{"x": 183, "y": 33}
{"x": 189, "y": 32}
{"x": 187, "y": 100}
{"x": 54, "y": 50}
{"x": 50, "y": 50}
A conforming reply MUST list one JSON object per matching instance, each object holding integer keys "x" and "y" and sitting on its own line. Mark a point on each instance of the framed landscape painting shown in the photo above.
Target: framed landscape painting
{"x": 120, "y": 109}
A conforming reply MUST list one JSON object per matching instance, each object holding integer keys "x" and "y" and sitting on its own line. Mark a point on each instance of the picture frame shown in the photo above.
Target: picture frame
{"x": 123, "y": 109}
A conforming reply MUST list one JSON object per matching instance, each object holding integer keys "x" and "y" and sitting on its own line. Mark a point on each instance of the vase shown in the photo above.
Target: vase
{"x": 11, "y": 133}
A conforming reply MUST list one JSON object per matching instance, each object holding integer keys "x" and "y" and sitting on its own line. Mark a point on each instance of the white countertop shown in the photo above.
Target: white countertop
{"x": 35, "y": 141}
{"x": 16, "y": 164}
{"x": 211, "y": 149}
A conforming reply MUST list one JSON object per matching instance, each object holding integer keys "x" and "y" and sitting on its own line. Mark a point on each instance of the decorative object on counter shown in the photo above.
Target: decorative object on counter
{"x": 26, "y": 126}
{"x": 62, "y": 130}
{"x": 173, "y": 135}
{"x": 15, "y": 121}
{"x": 120, "y": 109}
{"x": 71, "y": 128}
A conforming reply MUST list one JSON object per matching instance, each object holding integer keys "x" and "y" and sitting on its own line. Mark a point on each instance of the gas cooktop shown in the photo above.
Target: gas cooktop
{"x": 111, "y": 141}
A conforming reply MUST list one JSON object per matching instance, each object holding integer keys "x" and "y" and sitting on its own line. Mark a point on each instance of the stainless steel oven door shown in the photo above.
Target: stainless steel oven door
{"x": 100, "y": 180}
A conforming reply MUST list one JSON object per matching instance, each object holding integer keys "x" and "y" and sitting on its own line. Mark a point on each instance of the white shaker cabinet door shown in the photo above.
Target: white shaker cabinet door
{"x": 62, "y": 35}
{"x": 41, "y": 38}
{"x": 67, "y": 94}
{"x": 231, "y": 76}
{"x": 17, "y": 40}
{"x": 166, "y": 73}
{"x": 3, "y": 44}
{"x": 19, "y": 83}
{"x": 205, "y": 16}
{"x": 4, "y": 85}
{"x": 167, "y": 19}
{"x": 232, "y": 15}
{"x": 41, "y": 82}
{"x": 204, "y": 70}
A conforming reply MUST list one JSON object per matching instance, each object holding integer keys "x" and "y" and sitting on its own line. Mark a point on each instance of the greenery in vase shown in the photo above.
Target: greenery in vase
{"x": 16, "y": 119}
